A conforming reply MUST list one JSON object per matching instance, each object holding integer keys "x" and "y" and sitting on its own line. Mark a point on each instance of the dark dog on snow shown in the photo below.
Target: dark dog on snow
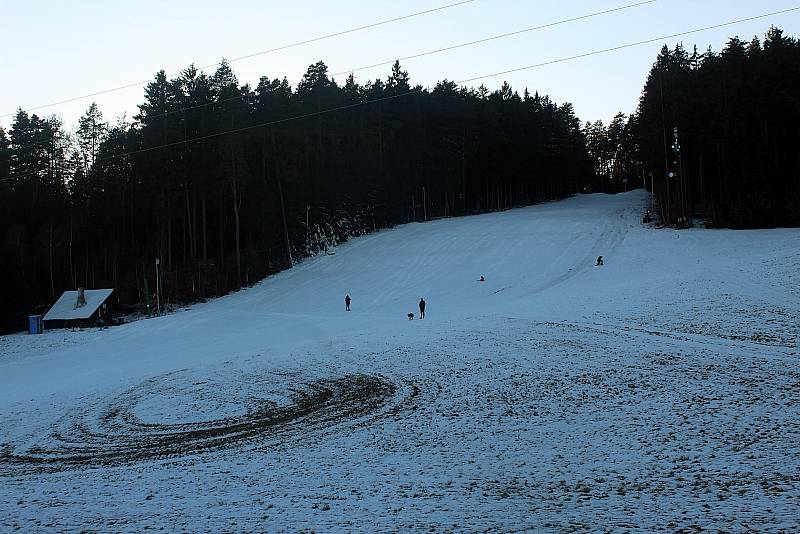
{"x": 410, "y": 316}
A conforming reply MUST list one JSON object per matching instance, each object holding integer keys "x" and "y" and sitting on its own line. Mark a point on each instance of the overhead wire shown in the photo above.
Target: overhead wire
{"x": 414, "y": 56}
{"x": 461, "y": 81}
{"x": 254, "y": 54}
{"x": 495, "y": 37}
{"x": 465, "y": 80}
{"x": 629, "y": 45}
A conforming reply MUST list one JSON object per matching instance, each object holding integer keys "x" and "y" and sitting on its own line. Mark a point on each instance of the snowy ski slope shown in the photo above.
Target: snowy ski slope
{"x": 657, "y": 392}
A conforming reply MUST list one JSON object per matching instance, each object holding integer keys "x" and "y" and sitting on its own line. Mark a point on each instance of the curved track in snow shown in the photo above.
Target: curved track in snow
{"x": 111, "y": 431}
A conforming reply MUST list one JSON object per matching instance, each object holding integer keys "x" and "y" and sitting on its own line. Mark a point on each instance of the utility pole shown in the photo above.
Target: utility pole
{"x": 280, "y": 194}
{"x": 653, "y": 205}
{"x": 702, "y": 184}
{"x": 684, "y": 190}
{"x": 667, "y": 174}
{"x": 424, "y": 204}
{"x": 669, "y": 216}
{"x": 678, "y": 165}
{"x": 158, "y": 289}
{"x": 308, "y": 232}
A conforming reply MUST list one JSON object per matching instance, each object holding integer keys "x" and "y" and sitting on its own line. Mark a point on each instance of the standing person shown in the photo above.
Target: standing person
{"x": 421, "y": 308}
{"x": 347, "y": 302}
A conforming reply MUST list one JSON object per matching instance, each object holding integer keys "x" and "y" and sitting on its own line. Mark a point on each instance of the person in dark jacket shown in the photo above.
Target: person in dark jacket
{"x": 599, "y": 261}
{"x": 347, "y": 302}
{"x": 421, "y": 308}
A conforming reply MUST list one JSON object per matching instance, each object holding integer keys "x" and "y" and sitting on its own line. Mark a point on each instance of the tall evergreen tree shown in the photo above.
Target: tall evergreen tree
{"x": 91, "y": 132}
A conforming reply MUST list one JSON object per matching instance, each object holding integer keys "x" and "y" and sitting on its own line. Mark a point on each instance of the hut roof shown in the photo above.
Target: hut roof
{"x": 64, "y": 309}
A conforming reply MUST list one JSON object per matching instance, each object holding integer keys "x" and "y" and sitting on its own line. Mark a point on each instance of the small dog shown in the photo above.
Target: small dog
{"x": 410, "y": 316}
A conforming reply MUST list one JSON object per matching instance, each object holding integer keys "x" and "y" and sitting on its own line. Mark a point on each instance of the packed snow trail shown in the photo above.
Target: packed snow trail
{"x": 659, "y": 391}
{"x": 522, "y": 252}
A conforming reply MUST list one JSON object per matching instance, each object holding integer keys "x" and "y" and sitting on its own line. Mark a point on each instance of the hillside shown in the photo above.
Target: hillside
{"x": 657, "y": 391}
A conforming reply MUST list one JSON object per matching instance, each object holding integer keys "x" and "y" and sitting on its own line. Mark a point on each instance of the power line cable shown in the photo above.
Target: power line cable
{"x": 254, "y": 54}
{"x": 343, "y": 32}
{"x": 630, "y": 45}
{"x": 421, "y": 54}
{"x": 465, "y": 80}
{"x": 495, "y": 37}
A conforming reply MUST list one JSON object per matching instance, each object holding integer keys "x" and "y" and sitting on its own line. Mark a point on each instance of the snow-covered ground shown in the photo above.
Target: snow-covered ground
{"x": 659, "y": 392}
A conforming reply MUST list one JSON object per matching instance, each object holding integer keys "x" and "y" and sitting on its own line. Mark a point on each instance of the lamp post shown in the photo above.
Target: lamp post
{"x": 158, "y": 289}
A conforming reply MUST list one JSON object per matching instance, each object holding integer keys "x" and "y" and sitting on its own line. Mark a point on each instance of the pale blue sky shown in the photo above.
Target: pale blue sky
{"x": 57, "y": 50}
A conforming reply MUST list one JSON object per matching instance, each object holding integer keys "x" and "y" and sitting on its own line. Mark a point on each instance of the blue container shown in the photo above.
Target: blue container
{"x": 35, "y": 324}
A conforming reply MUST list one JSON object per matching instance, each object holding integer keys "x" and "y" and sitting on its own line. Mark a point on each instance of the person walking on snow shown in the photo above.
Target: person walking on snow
{"x": 421, "y": 308}
{"x": 599, "y": 261}
{"x": 347, "y": 302}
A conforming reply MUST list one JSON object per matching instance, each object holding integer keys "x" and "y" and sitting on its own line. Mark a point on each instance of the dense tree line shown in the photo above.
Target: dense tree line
{"x": 225, "y": 184}
{"x": 715, "y": 134}
{"x": 615, "y": 154}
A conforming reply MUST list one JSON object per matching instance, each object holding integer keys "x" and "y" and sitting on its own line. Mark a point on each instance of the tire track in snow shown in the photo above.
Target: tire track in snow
{"x": 112, "y": 433}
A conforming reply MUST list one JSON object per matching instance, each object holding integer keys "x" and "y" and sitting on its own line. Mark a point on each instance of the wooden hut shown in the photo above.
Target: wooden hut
{"x": 81, "y": 308}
